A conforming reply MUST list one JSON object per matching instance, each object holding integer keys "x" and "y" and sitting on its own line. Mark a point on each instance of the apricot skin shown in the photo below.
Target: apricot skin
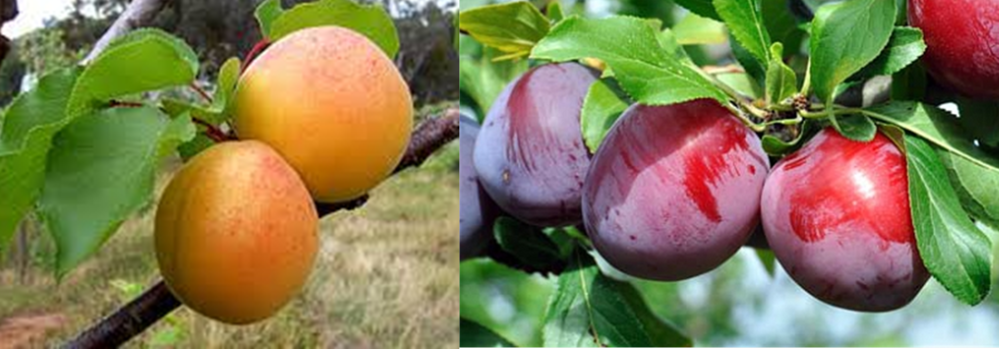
{"x": 236, "y": 233}
{"x": 836, "y": 214}
{"x": 333, "y": 104}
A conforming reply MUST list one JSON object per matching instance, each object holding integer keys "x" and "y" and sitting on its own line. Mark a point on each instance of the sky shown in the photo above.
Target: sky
{"x": 33, "y": 13}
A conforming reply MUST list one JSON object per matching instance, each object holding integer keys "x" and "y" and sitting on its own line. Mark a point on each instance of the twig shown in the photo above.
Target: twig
{"x": 144, "y": 311}
{"x": 137, "y": 14}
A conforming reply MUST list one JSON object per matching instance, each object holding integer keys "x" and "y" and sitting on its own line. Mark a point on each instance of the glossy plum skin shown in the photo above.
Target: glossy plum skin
{"x": 530, "y": 155}
{"x": 836, "y": 215}
{"x": 673, "y": 191}
{"x": 478, "y": 211}
{"x": 962, "y": 43}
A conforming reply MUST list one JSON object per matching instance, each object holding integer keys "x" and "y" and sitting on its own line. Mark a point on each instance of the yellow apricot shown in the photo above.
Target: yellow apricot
{"x": 333, "y": 104}
{"x": 236, "y": 232}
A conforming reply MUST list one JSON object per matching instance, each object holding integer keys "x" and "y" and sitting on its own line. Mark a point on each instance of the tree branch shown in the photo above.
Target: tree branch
{"x": 138, "y": 14}
{"x": 144, "y": 311}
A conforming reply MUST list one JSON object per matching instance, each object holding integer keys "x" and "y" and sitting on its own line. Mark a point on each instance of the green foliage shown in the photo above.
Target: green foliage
{"x": 44, "y": 51}
{"x": 955, "y": 252}
{"x": 101, "y": 169}
{"x": 474, "y": 335}
{"x": 46, "y": 128}
{"x": 370, "y": 20}
{"x": 512, "y": 28}
{"x": 588, "y": 309}
{"x": 782, "y": 83}
{"x": 631, "y": 49}
{"x": 846, "y": 36}
{"x": 29, "y": 125}
{"x": 601, "y": 108}
{"x": 746, "y": 23}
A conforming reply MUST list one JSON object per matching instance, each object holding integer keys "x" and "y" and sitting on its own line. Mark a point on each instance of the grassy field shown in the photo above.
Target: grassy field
{"x": 386, "y": 277}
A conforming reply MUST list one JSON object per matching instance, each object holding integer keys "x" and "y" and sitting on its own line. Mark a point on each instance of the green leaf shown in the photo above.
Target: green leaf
{"x": 513, "y": 28}
{"x": 29, "y": 124}
{"x": 753, "y": 67}
{"x": 554, "y": 11}
{"x": 846, "y": 36}
{"x": 904, "y": 47}
{"x": 369, "y": 20}
{"x": 741, "y": 83}
{"x": 101, "y": 169}
{"x": 529, "y": 244}
{"x": 977, "y": 186}
{"x": 782, "y": 83}
{"x": 767, "y": 258}
{"x": 124, "y": 69}
{"x": 745, "y": 21}
{"x": 774, "y": 146}
{"x": 631, "y": 48}
{"x": 703, "y": 8}
{"x": 225, "y": 88}
{"x": 474, "y": 335}
{"x": 589, "y": 309}
{"x": 954, "y": 250}
{"x": 782, "y": 25}
{"x": 672, "y": 47}
{"x": 936, "y": 126}
{"x": 857, "y": 127}
{"x": 266, "y": 13}
{"x": 191, "y": 148}
{"x": 601, "y": 108}
{"x": 662, "y": 333}
{"x": 697, "y": 30}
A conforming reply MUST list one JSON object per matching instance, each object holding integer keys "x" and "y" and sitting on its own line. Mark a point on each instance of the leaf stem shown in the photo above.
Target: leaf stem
{"x": 807, "y": 85}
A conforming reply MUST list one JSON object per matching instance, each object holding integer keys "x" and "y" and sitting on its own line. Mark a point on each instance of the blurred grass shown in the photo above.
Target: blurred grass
{"x": 386, "y": 277}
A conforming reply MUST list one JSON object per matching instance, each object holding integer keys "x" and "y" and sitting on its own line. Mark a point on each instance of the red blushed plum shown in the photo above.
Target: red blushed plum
{"x": 530, "y": 155}
{"x": 674, "y": 191}
{"x": 962, "y": 43}
{"x": 836, "y": 214}
{"x": 478, "y": 211}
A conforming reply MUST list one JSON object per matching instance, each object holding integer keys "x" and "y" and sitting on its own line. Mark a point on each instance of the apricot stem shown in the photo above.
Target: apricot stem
{"x": 200, "y": 92}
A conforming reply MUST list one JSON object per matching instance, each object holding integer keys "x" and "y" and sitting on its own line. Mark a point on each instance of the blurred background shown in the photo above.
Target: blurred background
{"x": 742, "y": 303}
{"x": 386, "y": 276}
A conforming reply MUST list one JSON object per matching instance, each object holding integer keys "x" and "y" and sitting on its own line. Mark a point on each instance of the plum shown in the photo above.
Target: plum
{"x": 836, "y": 214}
{"x": 673, "y": 191}
{"x": 962, "y": 43}
{"x": 478, "y": 211}
{"x": 530, "y": 155}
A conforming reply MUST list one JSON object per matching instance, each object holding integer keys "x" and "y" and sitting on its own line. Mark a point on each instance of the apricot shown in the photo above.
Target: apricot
{"x": 333, "y": 104}
{"x": 236, "y": 232}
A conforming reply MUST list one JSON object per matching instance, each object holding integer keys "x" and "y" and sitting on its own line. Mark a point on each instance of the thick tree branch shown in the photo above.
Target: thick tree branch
{"x": 139, "y": 13}
{"x": 144, "y": 311}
